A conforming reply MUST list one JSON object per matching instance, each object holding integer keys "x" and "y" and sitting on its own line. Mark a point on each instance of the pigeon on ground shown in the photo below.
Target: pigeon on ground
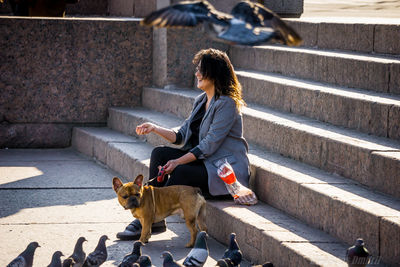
{"x": 357, "y": 255}
{"x": 78, "y": 256}
{"x": 169, "y": 260}
{"x": 129, "y": 259}
{"x": 68, "y": 262}
{"x": 144, "y": 261}
{"x": 248, "y": 24}
{"x": 55, "y": 260}
{"x": 233, "y": 252}
{"x": 25, "y": 259}
{"x": 199, "y": 253}
{"x": 99, "y": 255}
{"x": 267, "y": 264}
{"x": 225, "y": 263}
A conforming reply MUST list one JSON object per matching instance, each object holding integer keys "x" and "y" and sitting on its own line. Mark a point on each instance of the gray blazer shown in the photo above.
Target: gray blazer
{"x": 220, "y": 136}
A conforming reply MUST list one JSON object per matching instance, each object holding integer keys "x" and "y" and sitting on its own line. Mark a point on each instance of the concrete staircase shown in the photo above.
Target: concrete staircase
{"x": 324, "y": 130}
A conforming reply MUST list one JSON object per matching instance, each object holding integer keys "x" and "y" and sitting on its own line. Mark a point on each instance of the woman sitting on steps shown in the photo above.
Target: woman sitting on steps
{"x": 213, "y": 131}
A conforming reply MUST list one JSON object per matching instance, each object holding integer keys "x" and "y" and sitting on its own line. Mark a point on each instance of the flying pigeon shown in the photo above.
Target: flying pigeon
{"x": 99, "y": 255}
{"x": 25, "y": 259}
{"x": 248, "y": 24}
{"x": 357, "y": 255}
{"x": 169, "y": 260}
{"x": 199, "y": 253}
{"x": 55, "y": 260}
{"x": 233, "y": 252}
{"x": 78, "y": 256}
{"x": 144, "y": 261}
{"x": 129, "y": 259}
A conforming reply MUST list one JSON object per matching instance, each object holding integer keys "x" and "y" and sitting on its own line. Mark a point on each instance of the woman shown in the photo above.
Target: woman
{"x": 213, "y": 132}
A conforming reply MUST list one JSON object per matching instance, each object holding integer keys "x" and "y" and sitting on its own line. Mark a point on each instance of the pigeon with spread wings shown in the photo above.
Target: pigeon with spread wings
{"x": 248, "y": 24}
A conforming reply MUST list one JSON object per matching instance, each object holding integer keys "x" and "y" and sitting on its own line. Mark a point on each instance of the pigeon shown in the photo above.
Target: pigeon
{"x": 99, "y": 255}
{"x": 199, "y": 253}
{"x": 144, "y": 261}
{"x": 68, "y": 262}
{"x": 267, "y": 264}
{"x": 233, "y": 252}
{"x": 248, "y": 24}
{"x": 357, "y": 255}
{"x": 25, "y": 259}
{"x": 129, "y": 259}
{"x": 78, "y": 256}
{"x": 225, "y": 263}
{"x": 55, "y": 260}
{"x": 169, "y": 260}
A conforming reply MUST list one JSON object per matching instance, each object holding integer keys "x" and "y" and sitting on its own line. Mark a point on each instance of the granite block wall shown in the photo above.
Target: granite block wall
{"x": 173, "y": 52}
{"x": 89, "y": 7}
{"x": 60, "y": 73}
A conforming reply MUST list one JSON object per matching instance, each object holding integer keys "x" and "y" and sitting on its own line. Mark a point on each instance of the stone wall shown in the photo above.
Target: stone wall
{"x": 60, "y": 73}
{"x": 89, "y": 7}
{"x": 173, "y": 52}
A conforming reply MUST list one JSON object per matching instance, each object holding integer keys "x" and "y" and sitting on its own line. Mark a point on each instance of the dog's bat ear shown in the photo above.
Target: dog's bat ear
{"x": 138, "y": 180}
{"x": 116, "y": 184}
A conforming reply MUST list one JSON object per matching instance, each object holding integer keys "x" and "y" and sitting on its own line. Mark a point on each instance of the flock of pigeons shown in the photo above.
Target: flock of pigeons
{"x": 196, "y": 257}
{"x": 77, "y": 259}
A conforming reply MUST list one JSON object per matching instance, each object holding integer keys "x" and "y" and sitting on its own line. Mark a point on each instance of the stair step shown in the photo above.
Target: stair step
{"x": 342, "y": 203}
{"x": 356, "y": 70}
{"x": 356, "y": 34}
{"x": 336, "y": 205}
{"x": 275, "y": 235}
{"x": 352, "y": 154}
{"x": 125, "y": 121}
{"x": 266, "y": 234}
{"x": 125, "y": 154}
{"x": 369, "y": 112}
{"x": 346, "y": 152}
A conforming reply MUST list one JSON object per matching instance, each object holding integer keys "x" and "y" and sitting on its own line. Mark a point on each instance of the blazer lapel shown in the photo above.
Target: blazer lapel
{"x": 199, "y": 105}
{"x": 210, "y": 107}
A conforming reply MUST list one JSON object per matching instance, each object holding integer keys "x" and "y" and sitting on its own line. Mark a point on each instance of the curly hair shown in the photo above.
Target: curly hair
{"x": 216, "y": 66}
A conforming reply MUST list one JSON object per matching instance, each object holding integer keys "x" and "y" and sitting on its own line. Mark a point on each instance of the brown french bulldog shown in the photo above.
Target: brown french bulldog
{"x": 153, "y": 204}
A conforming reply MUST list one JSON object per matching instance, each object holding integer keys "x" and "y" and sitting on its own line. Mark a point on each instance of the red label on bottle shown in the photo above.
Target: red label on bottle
{"x": 227, "y": 175}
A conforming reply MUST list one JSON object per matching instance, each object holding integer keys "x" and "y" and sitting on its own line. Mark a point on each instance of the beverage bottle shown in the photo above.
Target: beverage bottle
{"x": 240, "y": 193}
{"x": 226, "y": 173}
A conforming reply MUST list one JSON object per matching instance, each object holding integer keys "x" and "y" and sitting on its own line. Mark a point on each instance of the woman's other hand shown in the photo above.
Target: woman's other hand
{"x": 145, "y": 128}
{"x": 171, "y": 165}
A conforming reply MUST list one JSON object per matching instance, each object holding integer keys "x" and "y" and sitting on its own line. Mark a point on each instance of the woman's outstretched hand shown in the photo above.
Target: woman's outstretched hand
{"x": 145, "y": 128}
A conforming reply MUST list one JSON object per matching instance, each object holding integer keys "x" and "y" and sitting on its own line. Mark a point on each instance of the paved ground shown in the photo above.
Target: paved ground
{"x": 54, "y": 196}
{"x": 352, "y": 8}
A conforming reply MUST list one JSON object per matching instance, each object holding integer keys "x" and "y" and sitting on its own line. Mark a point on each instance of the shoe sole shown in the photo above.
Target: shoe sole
{"x": 136, "y": 236}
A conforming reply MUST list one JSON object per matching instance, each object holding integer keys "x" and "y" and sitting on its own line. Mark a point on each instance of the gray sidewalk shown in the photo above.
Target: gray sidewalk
{"x": 54, "y": 196}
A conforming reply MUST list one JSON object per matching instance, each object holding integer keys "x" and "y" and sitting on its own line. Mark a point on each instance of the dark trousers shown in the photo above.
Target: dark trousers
{"x": 192, "y": 174}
